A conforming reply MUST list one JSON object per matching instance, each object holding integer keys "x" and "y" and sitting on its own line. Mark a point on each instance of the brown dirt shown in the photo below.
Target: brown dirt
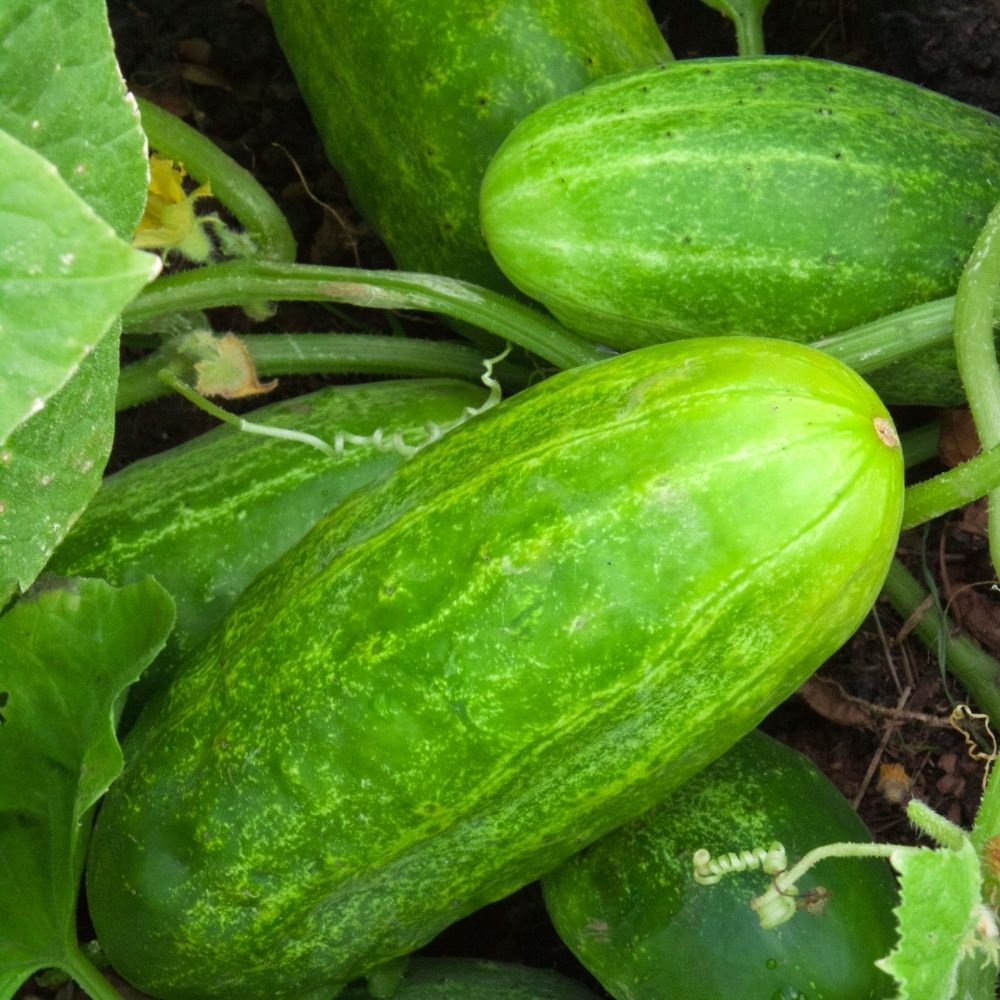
{"x": 217, "y": 65}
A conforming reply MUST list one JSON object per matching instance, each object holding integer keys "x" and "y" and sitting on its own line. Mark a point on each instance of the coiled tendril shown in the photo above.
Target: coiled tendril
{"x": 709, "y": 870}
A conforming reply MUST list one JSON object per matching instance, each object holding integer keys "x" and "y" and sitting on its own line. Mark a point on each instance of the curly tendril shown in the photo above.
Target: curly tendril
{"x": 709, "y": 870}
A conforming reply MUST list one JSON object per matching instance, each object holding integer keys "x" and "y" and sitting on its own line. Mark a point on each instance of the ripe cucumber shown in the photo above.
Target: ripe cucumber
{"x": 770, "y": 196}
{"x": 524, "y": 636}
{"x": 412, "y": 99}
{"x": 207, "y": 516}
{"x": 473, "y": 979}
{"x": 630, "y": 910}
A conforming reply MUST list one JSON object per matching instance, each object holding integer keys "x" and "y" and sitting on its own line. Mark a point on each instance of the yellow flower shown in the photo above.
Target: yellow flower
{"x": 169, "y": 222}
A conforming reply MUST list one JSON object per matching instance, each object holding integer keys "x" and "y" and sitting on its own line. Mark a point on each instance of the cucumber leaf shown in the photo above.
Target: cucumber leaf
{"x": 73, "y": 188}
{"x": 939, "y": 908}
{"x": 50, "y": 467}
{"x": 66, "y": 656}
{"x": 64, "y": 278}
{"x": 57, "y": 58}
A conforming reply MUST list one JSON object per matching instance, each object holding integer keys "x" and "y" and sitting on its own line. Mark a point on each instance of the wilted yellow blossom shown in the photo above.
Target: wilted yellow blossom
{"x": 169, "y": 222}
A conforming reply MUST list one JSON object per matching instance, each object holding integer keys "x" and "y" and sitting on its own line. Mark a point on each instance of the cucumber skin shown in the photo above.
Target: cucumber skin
{"x": 772, "y": 196}
{"x": 207, "y": 516}
{"x": 484, "y": 662}
{"x": 411, "y": 101}
{"x": 474, "y": 979}
{"x": 630, "y": 910}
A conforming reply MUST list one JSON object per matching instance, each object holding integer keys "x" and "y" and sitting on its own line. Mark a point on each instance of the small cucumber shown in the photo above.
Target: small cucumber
{"x": 521, "y": 638}
{"x": 629, "y": 907}
{"x": 412, "y": 99}
{"x": 771, "y": 196}
{"x": 207, "y": 516}
{"x": 475, "y": 979}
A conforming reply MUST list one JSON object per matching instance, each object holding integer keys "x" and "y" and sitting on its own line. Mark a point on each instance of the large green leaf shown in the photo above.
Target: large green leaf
{"x": 72, "y": 191}
{"x": 61, "y": 93}
{"x": 66, "y": 656}
{"x": 51, "y": 466}
{"x": 64, "y": 277}
{"x": 940, "y": 896}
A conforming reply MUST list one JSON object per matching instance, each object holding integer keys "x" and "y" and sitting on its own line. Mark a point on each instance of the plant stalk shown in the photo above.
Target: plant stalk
{"x": 84, "y": 973}
{"x": 325, "y": 354}
{"x": 975, "y": 305}
{"x": 242, "y": 282}
{"x": 975, "y": 669}
{"x": 234, "y": 186}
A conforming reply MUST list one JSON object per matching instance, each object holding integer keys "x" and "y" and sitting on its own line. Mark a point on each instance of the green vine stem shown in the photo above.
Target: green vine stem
{"x": 777, "y": 904}
{"x": 242, "y": 282}
{"x": 747, "y": 17}
{"x": 891, "y": 338}
{"x": 920, "y": 444}
{"x": 950, "y": 490}
{"x": 975, "y": 305}
{"x": 324, "y": 354}
{"x": 241, "y": 423}
{"x": 975, "y": 669}
{"x": 84, "y": 973}
{"x": 234, "y": 186}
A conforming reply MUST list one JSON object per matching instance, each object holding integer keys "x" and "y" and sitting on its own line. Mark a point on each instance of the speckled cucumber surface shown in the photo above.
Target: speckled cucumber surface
{"x": 523, "y": 637}
{"x": 207, "y": 516}
{"x": 772, "y": 196}
{"x": 630, "y": 909}
{"x": 412, "y": 99}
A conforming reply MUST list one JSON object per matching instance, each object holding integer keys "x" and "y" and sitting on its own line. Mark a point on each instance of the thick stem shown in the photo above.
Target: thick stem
{"x": 326, "y": 354}
{"x": 891, "y": 338}
{"x": 952, "y": 489}
{"x": 242, "y": 282}
{"x": 975, "y": 305}
{"x": 749, "y": 34}
{"x": 234, "y": 186}
{"x": 920, "y": 444}
{"x": 83, "y": 972}
{"x": 976, "y": 670}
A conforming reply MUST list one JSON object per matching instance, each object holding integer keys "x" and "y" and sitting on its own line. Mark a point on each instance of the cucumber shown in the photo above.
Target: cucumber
{"x": 475, "y": 979}
{"x": 412, "y": 99}
{"x": 770, "y": 196}
{"x": 207, "y": 516}
{"x": 630, "y": 910}
{"x": 524, "y": 636}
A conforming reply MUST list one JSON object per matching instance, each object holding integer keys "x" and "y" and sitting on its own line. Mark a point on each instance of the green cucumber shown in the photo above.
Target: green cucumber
{"x": 524, "y": 636}
{"x": 207, "y": 516}
{"x": 629, "y": 908}
{"x": 412, "y": 99}
{"x": 770, "y": 196}
{"x": 475, "y": 979}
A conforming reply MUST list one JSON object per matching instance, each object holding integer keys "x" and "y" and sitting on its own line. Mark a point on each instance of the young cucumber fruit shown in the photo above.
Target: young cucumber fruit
{"x": 207, "y": 516}
{"x": 412, "y": 99}
{"x": 630, "y": 909}
{"x": 474, "y": 979}
{"x": 770, "y": 196}
{"x": 524, "y": 636}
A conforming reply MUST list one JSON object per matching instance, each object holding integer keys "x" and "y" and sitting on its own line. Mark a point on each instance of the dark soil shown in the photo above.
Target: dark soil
{"x": 217, "y": 65}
